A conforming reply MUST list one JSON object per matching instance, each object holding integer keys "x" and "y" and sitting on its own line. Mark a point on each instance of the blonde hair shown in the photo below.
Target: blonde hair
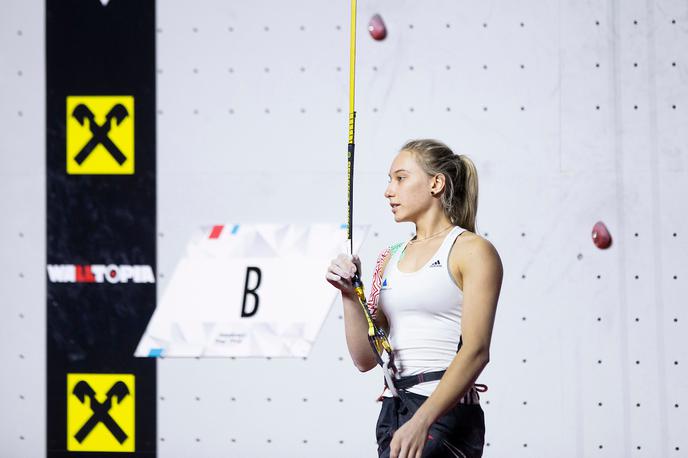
{"x": 460, "y": 196}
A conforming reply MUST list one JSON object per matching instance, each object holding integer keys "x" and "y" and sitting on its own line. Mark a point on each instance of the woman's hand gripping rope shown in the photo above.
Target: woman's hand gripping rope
{"x": 341, "y": 271}
{"x": 342, "y": 275}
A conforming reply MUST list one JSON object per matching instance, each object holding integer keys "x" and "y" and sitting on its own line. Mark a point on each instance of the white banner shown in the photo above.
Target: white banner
{"x": 248, "y": 290}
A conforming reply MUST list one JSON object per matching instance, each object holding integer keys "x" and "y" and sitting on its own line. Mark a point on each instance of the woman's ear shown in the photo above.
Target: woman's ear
{"x": 437, "y": 184}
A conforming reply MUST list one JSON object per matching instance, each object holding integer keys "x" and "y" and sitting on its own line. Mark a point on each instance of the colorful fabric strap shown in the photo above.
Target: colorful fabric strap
{"x": 380, "y": 265}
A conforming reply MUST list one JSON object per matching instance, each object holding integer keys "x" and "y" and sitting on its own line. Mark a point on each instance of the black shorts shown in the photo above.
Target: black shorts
{"x": 458, "y": 433}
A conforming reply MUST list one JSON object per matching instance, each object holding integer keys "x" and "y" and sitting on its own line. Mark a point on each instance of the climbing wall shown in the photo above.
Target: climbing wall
{"x": 574, "y": 113}
{"x": 571, "y": 113}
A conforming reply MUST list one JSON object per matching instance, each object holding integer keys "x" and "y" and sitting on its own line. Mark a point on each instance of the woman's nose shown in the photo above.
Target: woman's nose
{"x": 388, "y": 194}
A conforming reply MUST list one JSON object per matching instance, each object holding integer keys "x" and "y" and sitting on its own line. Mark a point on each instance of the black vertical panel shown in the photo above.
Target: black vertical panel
{"x": 92, "y": 50}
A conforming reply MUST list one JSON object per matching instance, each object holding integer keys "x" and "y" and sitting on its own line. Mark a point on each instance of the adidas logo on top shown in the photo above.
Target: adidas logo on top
{"x": 436, "y": 263}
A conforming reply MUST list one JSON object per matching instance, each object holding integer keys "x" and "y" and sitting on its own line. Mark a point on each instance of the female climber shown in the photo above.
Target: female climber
{"x": 438, "y": 294}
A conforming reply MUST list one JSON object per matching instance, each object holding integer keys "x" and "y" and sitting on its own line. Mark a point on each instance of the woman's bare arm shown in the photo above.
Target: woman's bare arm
{"x": 339, "y": 275}
{"x": 356, "y": 329}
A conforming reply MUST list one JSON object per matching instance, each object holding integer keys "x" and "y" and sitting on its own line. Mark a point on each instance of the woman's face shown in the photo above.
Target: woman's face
{"x": 409, "y": 188}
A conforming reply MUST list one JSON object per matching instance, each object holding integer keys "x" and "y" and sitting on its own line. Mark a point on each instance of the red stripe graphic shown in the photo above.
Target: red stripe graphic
{"x": 215, "y": 233}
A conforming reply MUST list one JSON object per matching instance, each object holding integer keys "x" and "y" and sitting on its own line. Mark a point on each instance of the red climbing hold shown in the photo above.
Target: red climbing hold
{"x": 377, "y": 28}
{"x": 601, "y": 236}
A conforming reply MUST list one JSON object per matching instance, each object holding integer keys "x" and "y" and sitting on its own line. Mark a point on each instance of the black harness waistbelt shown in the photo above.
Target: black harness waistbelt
{"x": 403, "y": 383}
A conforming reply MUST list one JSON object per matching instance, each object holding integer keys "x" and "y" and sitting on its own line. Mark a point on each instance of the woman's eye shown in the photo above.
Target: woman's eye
{"x": 400, "y": 178}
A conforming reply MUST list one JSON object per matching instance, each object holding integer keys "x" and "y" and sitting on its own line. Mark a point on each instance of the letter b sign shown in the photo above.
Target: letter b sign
{"x": 251, "y": 291}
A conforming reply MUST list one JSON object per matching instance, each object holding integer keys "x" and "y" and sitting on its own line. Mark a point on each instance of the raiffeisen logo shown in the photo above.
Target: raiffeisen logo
{"x": 100, "y": 273}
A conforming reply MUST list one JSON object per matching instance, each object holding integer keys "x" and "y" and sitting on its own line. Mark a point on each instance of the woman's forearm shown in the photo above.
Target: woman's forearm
{"x": 460, "y": 376}
{"x": 356, "y": 329}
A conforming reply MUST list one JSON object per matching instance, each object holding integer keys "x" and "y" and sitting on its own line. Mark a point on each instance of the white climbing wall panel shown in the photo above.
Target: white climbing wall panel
{"x": 571, "y": 113}
{"x": 22, "y": 229}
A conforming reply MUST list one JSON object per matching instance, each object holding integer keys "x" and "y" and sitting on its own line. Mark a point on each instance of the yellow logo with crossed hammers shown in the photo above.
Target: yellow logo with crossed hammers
{"x": 100, "y": 135}
{"x": 100, "y": 412}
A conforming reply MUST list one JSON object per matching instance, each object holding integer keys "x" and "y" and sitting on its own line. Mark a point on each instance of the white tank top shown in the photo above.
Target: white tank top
{"x": 423, "y": 309}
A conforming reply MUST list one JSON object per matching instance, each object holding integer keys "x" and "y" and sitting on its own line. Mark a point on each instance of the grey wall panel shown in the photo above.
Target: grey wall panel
{"x": 22, "y": 232}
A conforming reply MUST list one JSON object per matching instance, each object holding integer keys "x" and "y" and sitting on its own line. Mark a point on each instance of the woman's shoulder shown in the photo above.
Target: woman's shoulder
{"x": 470, "y": 252}
{"x": 470, "y": 245}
